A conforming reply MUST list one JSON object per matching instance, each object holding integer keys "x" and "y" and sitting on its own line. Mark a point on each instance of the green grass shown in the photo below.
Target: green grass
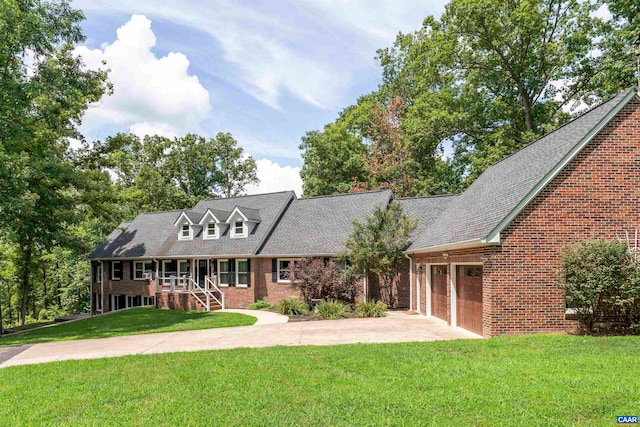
{"x": 145, "y": 320}
{"x": 531, "y": 381}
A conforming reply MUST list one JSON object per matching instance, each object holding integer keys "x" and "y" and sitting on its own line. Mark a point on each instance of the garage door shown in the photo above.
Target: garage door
{"x": 439, "y": 291}
{"x": 469, "y": 297}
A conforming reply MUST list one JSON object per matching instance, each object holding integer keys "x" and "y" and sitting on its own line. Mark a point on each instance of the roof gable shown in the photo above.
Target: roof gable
{"x": 213, "y": 215}
{"x": 183, "y": 217}
{"x": 480, "y": 213}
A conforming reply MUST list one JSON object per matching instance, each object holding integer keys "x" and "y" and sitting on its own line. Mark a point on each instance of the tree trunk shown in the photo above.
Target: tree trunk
{"x": 26, "y": 270}
{"x": 58, "y": 286}
{"x": 9, "y": 304}
{"x": 45, "y": 297}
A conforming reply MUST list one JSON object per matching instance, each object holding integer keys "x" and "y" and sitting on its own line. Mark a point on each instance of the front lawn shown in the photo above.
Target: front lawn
{"x": 145, "y": 320}
{"x": 535, "y": 380}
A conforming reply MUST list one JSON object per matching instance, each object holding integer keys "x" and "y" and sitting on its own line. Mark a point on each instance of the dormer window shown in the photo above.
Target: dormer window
{"x": 238, "y": 229}
{"x": 185, "y": 232}
{"x": 211, "y": 232}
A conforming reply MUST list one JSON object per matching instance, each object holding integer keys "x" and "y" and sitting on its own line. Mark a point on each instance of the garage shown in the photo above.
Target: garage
{"x": 469, "y": 297}
{"x": 439, "y": 291}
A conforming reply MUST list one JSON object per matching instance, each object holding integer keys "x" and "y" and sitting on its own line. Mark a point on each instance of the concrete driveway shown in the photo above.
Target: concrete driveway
{"x": 395, "y": 328}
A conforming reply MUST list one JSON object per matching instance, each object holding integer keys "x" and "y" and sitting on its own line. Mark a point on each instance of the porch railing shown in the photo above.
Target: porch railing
{"x": 210, "y": 284}
{"x": 203, "y": 294}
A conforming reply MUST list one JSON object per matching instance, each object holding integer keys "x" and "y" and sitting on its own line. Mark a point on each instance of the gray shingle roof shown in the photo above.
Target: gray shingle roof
{"x": 321, "y": 225}
{"x": 426, "y": 210}
{"x": 153, "y": 234}
{"x": 476, "y": 212}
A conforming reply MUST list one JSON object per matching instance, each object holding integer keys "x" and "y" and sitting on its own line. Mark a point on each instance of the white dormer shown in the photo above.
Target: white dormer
{"x": 212, "y": 226}
{"x": 185, "y": 227}
{"x": 241, "y": 224}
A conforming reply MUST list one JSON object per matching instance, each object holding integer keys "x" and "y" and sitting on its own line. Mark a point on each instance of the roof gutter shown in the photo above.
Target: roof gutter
{"x": 495, "y": 233}
{"x": 464, "y": 244}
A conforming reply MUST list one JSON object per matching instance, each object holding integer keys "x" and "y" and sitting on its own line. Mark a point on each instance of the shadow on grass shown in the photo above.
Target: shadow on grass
{"x": 130, "y": 322}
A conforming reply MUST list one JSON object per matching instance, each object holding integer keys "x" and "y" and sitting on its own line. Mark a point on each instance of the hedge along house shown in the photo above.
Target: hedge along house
{"x": 487, "y": 259}
{"x": 223, "y": 253}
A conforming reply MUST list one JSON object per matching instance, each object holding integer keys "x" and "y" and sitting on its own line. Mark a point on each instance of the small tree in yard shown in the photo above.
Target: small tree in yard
{"x": 376, "y": 246}
{"x": 316, "y": 278}
{"x": 600, "y": 280}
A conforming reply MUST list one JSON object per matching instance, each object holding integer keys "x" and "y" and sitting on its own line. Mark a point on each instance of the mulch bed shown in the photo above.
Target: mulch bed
{"x": 312, "y": 316}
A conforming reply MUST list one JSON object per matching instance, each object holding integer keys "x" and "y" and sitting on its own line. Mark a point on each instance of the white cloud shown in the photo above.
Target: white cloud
{"x": 274, "y": 177}
{"x": 310, "y": 49}
{"x": 149, "y": 92}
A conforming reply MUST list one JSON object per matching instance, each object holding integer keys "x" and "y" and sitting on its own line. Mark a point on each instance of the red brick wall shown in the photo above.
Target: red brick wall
{"x": 272, "y": 292}
{"x": 597, "y": 195}
{"x": 124, "y": 286}
{"x": 177, "y": 301}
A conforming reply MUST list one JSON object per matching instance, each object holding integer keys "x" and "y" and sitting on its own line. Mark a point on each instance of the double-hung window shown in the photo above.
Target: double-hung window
{"x": 98, "y": 278}
{"x": 116, "y": 270}
{"x": 283, "y": 265}
{"x": 223, "y": 272}
{"x": 140, "y": 268}
{"x": 242, "y": 272}
{"x": 211, "y": 231}
{"x": 183, "y": 268}
{"x": 185, "y": 232}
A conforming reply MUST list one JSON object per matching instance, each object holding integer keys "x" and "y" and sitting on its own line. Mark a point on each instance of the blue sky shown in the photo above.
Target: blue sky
{"x": 266, "y": 71}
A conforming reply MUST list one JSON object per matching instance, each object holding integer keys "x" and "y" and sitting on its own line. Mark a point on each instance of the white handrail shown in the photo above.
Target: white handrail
{"x": 193, "y": 284}
{"x": 210, "y": 284}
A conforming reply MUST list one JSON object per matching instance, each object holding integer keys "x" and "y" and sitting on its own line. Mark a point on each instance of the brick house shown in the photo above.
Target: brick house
{"x": 224, "y": 252}
{"x": 485, "y": 260}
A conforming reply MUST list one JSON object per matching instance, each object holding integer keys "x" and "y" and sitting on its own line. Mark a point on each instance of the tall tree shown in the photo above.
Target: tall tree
{"x": 159, "y": 173}
{"x": 390, "y": 163}
{"x": 333, "y": 159}
{"x": 484, "y": 77}
{"x": 42, "y": 100}
{"x": 616, "y": 66}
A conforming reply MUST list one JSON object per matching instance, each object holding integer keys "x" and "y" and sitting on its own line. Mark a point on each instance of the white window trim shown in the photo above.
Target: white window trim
{"x": 135, "y": 269}
{"x": 178, "y": 263}
{"x": 113, "y": 276}
{"x": 189, "y": 237}
{"x": 219, "y": 273}
{"x": 216, "y": 232}
{"x": 99, "y": 273}
{"x": 278, "y": 264}
{"x": 237, "y": 272}
{"x": 245, "y": 229}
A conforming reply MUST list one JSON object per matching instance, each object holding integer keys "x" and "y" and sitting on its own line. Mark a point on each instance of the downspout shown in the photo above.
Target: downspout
{"x": 364, "y": 286}
{"x": 102, "y": 290}
{"x": 410, "y": 281}
{"x": 90, "y": 294}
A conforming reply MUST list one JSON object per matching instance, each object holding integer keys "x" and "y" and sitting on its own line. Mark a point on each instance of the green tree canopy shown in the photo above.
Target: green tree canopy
{"x": 484, "y": 80}
{"x": 376, "y": 246}
{"x": 44, "y": 91}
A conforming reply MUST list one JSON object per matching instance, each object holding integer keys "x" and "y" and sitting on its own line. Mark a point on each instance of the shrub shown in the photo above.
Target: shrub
{"x": 259, "y": 305}
{"x": 319, "y": 278}
{"x": 371, "y": 309}
{"x": 292, "y": 307}
{"x": 332, "y": 310}
{"x": 600, "y": 281}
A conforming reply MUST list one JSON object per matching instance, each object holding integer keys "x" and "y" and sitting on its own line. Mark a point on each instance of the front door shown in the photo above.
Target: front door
{"x": 203, "y": 271}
